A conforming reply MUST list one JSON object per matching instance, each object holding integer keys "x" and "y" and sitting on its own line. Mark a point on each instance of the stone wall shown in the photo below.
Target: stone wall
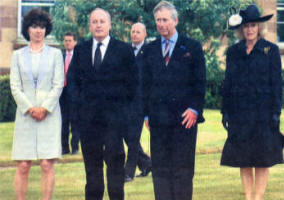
{"x": 8, "y": 32}
{"x": 270, "y": 7}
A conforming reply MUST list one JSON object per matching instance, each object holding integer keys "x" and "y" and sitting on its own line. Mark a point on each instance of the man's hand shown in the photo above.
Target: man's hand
{"x": 225, "y": 121}
{"x": 189, "y": 119}
{"x": 275, "y": 121}
{"x": 147, "y": 124}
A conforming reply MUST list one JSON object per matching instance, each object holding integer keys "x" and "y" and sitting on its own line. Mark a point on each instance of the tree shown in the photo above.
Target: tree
{"x": 204, "y": 20}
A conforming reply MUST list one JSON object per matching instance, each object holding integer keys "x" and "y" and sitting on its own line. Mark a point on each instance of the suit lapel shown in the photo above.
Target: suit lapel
{"x": 44, "y": 62}
{"x": 108, "y": 53}
{"x": 177, "y": 51}
{"x": 141, "y": 51}
{"x": 87, "y": 55}
{"x": 28, "y": 64}
{"x": 159, "y": 53}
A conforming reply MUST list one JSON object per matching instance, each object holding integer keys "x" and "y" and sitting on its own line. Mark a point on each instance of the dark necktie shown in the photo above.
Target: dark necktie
{"x": 134, "y": 50}
{"x": 98, "y": 57}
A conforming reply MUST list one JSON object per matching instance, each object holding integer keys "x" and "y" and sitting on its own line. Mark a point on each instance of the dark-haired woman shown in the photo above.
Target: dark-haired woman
{"x": 252, "y": 99}
{"x": 36, "y": 81}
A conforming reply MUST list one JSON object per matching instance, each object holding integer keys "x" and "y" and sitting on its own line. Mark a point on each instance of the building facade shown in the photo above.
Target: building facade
{"x": 12, "y": 11}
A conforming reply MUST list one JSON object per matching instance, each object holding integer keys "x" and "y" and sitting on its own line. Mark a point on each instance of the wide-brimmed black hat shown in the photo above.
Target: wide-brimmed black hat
{"x": 250, "y": 14}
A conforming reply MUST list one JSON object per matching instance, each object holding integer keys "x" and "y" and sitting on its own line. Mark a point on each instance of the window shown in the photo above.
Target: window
{"x": 280, "y": 21}
{"x": 26, "y": 5}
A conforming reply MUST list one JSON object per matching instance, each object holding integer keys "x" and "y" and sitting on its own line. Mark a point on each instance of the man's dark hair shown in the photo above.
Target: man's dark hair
{"x": 36, "y": 17}
{"x": 71, "y": 34}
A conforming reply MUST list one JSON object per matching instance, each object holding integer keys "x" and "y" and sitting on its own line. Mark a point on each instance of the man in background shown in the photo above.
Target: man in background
{"x": 70, "y": 41}
{"x": 136, "y": 155}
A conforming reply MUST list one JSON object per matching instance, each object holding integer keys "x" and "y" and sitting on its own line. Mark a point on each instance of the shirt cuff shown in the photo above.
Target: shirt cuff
{"x": 194, "y": 111}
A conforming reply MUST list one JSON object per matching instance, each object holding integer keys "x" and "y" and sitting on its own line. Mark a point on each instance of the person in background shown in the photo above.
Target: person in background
{"x": 252, "y": 100}
{"x": 68, "y": 119}
{"x": 173, "y": 81}
{"x": 103, "y": 79}
{"x": 36, "y": 81}
{"x": 136, "y": 155}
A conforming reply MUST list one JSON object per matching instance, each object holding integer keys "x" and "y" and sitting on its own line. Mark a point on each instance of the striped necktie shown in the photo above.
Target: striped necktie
{"x": 167, "y": 53}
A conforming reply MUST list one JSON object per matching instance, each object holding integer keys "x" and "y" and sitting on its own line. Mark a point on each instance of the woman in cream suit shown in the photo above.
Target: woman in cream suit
{"x": 36, "y": 79}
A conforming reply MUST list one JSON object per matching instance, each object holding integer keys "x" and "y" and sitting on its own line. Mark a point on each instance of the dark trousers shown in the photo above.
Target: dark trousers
{"x": 135, "y": 155}
{"x": 67, "y": 121}
{"x": 173, "y": 158}
{"x": 101, "y": 141}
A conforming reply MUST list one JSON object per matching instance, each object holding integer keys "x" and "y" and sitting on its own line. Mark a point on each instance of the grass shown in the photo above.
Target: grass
{"x": 211, "y": 182}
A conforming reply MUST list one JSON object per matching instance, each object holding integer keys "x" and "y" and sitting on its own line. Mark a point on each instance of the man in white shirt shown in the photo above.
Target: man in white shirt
{"x": 104, "y": 80}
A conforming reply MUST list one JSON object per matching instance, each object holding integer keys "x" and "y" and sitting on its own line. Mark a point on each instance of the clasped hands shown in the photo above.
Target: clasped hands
{"x": 38, "y": 113}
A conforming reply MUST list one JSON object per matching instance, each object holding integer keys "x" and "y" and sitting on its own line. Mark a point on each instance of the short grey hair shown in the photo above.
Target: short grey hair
{"x": 105, "y": 11}
{"x": 262, "y": 30}
{"x": 141, "y": 24}
{"x": 167, "y": 5}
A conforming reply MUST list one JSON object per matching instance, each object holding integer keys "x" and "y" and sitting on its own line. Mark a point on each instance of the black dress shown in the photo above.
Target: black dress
{"x": 252, "y": 93}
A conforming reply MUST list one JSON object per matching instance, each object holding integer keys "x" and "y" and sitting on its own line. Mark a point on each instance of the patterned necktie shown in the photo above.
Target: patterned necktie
{"x": 98, "y": 57}
{"x": 167, "y": 53}
{"x": 66, "y": 66}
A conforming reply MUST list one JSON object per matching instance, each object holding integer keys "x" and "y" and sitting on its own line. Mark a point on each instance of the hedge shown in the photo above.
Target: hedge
{"x": 7, "y": 103}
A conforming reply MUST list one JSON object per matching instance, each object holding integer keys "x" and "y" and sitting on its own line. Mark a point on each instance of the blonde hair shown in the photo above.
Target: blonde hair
{"x": 262, "y": 30}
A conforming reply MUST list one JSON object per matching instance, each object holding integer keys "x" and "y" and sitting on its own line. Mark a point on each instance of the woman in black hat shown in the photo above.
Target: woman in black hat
{"x": 252, "y": 100}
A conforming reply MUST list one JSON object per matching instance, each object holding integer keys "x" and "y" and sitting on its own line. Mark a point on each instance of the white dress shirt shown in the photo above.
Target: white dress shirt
{"x": 103, "y": 47}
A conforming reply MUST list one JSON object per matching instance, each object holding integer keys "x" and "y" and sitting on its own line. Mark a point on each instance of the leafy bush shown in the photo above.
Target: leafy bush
{"x": 7, "y": 103}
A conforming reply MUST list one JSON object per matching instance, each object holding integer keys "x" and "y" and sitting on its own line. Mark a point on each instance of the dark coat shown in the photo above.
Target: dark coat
{"x": 169, "y": 90}
{"x": 109, "y": 89}
{"x": 252, "y": 87}
{"x": 252, "y": 93}
{"x": 136, "y": 106}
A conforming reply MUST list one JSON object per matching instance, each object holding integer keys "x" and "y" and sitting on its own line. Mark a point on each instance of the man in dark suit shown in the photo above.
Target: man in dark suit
{"x": 70, "y": 41}
{"x": 104, "y": 80}
{"x": 136, "y": 155}
{"x": 174, "y": 78}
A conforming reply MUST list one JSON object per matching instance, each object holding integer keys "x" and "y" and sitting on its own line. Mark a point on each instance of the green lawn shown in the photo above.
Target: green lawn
{"x": 212, "y": 182}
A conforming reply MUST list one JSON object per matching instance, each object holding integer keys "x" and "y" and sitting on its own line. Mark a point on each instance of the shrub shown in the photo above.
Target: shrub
{"x": 7, "y": 103}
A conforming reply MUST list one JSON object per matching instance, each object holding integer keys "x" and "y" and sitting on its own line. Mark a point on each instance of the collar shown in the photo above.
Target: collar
{"x": 173, "y": 39}
{"x": 139, "y": 45}
{"x": 71, "y": 52}
{"x": 104, "y": 41}
{"x": 259, "y": 45}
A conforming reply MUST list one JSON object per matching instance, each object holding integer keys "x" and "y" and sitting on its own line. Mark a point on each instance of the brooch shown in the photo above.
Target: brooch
{"x": 266, "y": 49}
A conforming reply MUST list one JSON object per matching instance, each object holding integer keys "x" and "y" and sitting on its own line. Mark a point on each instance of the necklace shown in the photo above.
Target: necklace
{"x": 37, "y": 50}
